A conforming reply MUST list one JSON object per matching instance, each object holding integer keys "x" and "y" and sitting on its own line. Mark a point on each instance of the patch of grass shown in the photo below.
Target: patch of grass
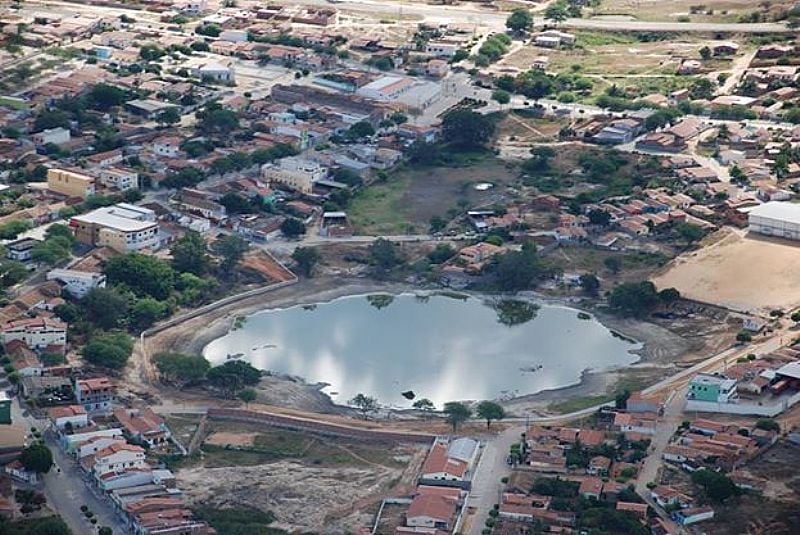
{"x": 238, "y": 520}
{"x": 376, "y": 209}
{"x": 579, "y": 403}
{"x": 603, "y": 38}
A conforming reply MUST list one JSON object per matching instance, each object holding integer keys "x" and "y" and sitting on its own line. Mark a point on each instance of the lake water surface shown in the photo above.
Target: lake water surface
{"x": 439, "y": 347}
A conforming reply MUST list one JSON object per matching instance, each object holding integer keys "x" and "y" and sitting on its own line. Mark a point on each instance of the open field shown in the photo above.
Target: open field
{"x": 307, "y": 481}
{"x": 744, "y": 273}
{"x": 406, "y": 202}
{"x": 658, "y": 10}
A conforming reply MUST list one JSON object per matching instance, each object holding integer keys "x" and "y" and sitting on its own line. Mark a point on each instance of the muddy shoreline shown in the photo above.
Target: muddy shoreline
{"x": 659, "y": 346}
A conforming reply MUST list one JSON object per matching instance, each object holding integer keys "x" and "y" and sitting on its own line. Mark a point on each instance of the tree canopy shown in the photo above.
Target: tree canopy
{"x": 37, "y": 457}
{"x": 233, "y": 375}
{"x": 520, "y": 20}
{"x": 634, "y": 298}
{"x": 489, "y": 411}
{"x": 145, "y": 275}
{"x": 306, "y": 258}
{"x": 109, "y": 349}
{"x": 190, "y": 254}
{"x": 182, "y": 369}
{"x": 231, "y": 248}
{"x": 456, "y": 413}
{"x": 466, "y": 129}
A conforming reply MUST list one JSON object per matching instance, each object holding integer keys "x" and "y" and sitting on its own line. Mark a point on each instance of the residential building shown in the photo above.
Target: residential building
{"x": 56, "y": 136}
{"x": 21, "y": 250}
{"x": 37, "y": 333}
{"x": 295, "y": 173}
{"x": 775, "y": 218}
{"x": 439, "y": 466}
{"x": 442, "y": 49}
{"x": 144, "y": 425}
{"x": 692, "y": 515}
{"x": 438, "y": 68}
{"x": 81, "y": 444}
{"x": 122, "y": 227}
{"x": 121, "y": 179}
{"x": 644, "y": 424}
{"x": 77, "y": 283}
{"x": 72, "y": 416}
{"x": 169, "y": 147}
{"x": 591, "y": 487}
{"x": 96, "y": 394}
{"x": 70, "y": 183}
{"x": 115, "y": 457}
{"x": 433, "y": 508}
{"x": 714, "y": 388}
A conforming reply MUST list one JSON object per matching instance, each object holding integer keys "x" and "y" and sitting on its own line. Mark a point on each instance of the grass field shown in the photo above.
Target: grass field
{"x": 658, "y": 10}
{"x": 406, "y": 202}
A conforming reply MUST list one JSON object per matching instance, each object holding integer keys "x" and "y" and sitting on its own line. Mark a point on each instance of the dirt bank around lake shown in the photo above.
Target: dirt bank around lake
{"x": 661, "y": 348}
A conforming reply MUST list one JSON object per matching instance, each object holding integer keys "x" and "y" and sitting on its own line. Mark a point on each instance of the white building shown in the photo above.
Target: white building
{"x": 295, "y": 173}
{"x": 115, "y": 458}
{"x": 72, "y": 444}
{"x": 73, "y": 415}
{"x": 77, "y": 283}
{"x": 442, "y": 49}
{"x": 234, "y": 36}
{"x": 169, "y": 147}
{"x": 121, "y": 179}
{"x": 780, "y": 219}
{"x": 215, "y": 71}
{"x": 37, "y": 333}
{"x": 123, "y": 227}
{"x": 56, "y": 136}
{"x": 386, "y": 87}
{"x": 94, "y": 444}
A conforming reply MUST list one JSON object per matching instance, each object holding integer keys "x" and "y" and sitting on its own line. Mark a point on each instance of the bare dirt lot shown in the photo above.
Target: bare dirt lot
{"x": 658, "y": 10}
{"x": 745, "y": 273}
{"x": 307, "y": 481}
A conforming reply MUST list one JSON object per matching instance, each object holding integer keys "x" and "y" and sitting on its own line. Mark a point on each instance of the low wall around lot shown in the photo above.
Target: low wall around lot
{"x": 744, "y": 409}
{"x": 322, "y": 428}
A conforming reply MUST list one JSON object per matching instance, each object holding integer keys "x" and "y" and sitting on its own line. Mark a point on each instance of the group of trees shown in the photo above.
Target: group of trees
{"x": 517, "y": 270}
{"x": 144, "y": 289}
{"x": 455, "y": 412}
{"x": 232, "y": 377}
{"x": 638, "y": 298}
{"x": 465, "y": 129}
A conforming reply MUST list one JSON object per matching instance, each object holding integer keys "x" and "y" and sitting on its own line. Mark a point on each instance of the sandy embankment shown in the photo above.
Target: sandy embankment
{"x": 660, "y": 346}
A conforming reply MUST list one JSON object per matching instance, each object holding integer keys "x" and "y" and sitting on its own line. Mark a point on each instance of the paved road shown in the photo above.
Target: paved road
{"x": 491, "y": 469}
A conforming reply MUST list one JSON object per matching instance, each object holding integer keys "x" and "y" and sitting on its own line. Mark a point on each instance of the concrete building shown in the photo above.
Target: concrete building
{"x": 57, "y": 136}
{"x": 215, "y": 71}
{"x": 21, "y": 250}
{"x": 295, "y": 173}
{"x": 95, "y": 395}
{"x": 121, "y": 179}
{"x": 386, "y": 87}
{"x": 70, "y": 183}
{"x": 780, "y": 219}
{"x": 74, "y": 416}
{"x": 123, "y": 227}
{"x": 714, "y": 388}
{"x": 37, "y": 333}
{"x": 77, "y": 283}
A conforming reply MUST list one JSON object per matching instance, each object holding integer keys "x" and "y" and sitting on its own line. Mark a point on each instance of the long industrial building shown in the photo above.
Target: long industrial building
{"x": 780, "y": 219}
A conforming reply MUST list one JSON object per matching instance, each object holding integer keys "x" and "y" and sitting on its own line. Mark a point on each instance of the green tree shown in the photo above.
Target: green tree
{"x": 109, "y": 349}
{"x": 365, "y": 404}
{"x": 214, "y": 119}
{"x": 441, "y": 254}
{"x": 768, "y": 424}
{"x": 190, "y": 254}
{"x": 248, "y": 395}
{"x": 360, "y": 130}
{"x": 702, "y": 88}
{"x": 557, "y": 12}
{"x": 425, "y": 405}
{"x": 181, "y": 369}
{"x": 489, "y": 410}
{"x": 456, "y": 413}
{"x": 105, "y": 530}
{"x": 716, "y": 487}
{"x": 690, "y": 232}
{"x": 466, "y": 129}
{"x": 633, "y": 298}
{"x": 590, "y": 284}
{"x": 743, "y": 337}
{"x": 669, "y": 295}
{"x": 12, "y": 272}
{"x": 145, "y": 275}
{"x": 796, "y": 316}
{"x": 37, "y": 457}
{"x": 169, "y": 116}
{"x": 146, "y": 311}
{"x": 517, "y": 270}
{"x": 106, "y": 307}
{"x": 233, "y": 375}
{"x": 705, "y": 53}
{"x": 231, "y": 248}
{"x": 383, "y": 254}
{"x": 292, "y": 227}
{"x": 306, "y": 258}
{"x": 520, "y": 20}
{"x": 511, "y": 312}
{"x": 103, "y": 97}
{"x": 501, "y": 97}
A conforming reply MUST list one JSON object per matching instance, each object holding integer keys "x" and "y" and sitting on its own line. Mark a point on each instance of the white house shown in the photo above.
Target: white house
{"x": 72, "y": 443}
{"x": 77, "y": 283}
{"x": 295, "y": 173}
{"x": 115, "y": 458}
{"x": 121, "y": 179}
{"x": 442, "y": 49}
{"x": 684, "y": 517}
{"x": 440, "y": 466}
{"x": 95, "y": 444}
{"x": 37, "y": 333}
{"x": 169, "y": 147}
{"x": 73, "y": 415}
{"x": 234, "y": 36}
{"x": 56, "y": 136}
{"x": 215, "y": 71}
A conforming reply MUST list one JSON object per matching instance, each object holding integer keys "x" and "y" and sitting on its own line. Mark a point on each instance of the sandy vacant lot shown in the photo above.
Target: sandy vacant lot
{"x": 742, "y": 272}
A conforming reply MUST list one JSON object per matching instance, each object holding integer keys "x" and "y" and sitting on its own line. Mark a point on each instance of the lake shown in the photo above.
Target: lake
{"x": 440, "y": 347}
